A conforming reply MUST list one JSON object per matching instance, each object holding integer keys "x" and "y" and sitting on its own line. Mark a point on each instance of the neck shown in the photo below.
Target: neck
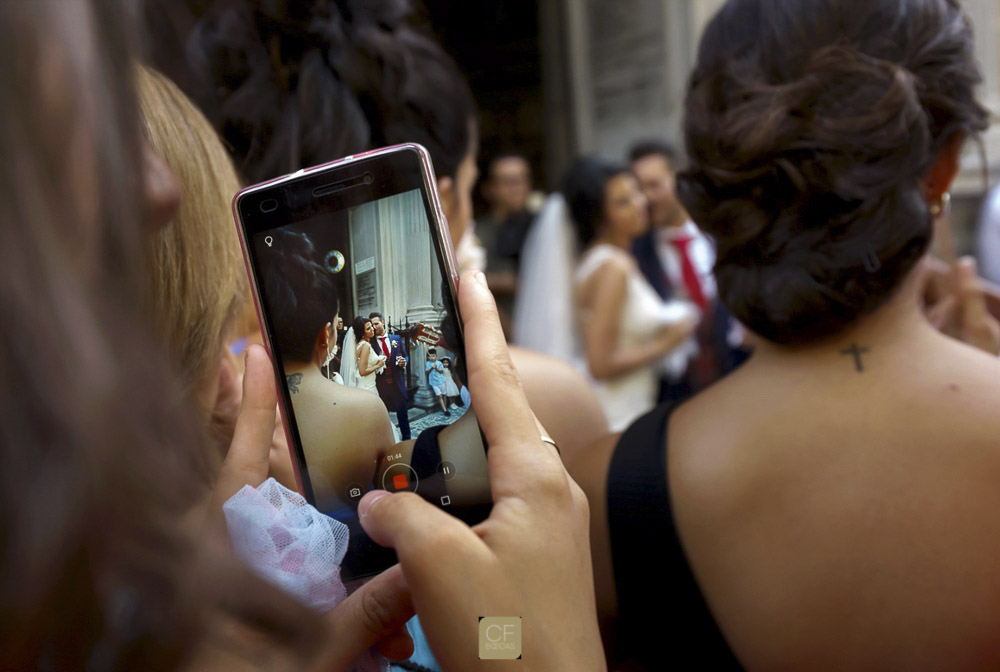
{"x": 499, "y": 214}
{"x": 883, "y": 333}
{"x": 297, "y": 366}
{"x": 614, "y": 238}
{"x": 675, "y": 219}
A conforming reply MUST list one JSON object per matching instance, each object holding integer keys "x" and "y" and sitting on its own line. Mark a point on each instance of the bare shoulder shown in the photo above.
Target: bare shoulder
{"x": 612, "y": 271}
{"x": 615, "y": 266}
{"x": 780, "y": 476}
{"x": 562, "y": 398}
{"x": 361, "y": 407}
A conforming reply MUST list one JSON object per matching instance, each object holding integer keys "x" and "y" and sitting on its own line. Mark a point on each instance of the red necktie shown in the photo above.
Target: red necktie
{"x": 691, "y": 281}
{"x": 385, "y": 351}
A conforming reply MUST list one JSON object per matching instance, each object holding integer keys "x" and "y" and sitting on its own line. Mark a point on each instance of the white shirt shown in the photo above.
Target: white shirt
{"x": 701, "y": 250}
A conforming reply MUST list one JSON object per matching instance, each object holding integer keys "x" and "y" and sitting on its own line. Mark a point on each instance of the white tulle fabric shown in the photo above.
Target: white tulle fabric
{"x": 349, "y": 359}
{"x": 544, "y": 315}
{"x": 295, "y": 547}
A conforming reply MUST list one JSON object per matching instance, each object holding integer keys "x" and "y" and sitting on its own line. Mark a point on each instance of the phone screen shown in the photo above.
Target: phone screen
{"x": 359, "y": 309}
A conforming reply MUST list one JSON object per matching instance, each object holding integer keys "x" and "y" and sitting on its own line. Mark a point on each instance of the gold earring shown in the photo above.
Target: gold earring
{"x": 942, "y": 207}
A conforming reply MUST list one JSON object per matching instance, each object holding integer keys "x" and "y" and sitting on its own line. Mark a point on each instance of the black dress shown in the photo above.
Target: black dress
{"x": 663, "y": 619}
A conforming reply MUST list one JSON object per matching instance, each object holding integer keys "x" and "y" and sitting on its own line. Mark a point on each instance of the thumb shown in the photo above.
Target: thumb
{"x": 375, "y": 612}
{"x": 249, "y": 453}
{"x": 973, "y": 299}
{"x": 390, "y": 519}
{"x": 978, "y": 326}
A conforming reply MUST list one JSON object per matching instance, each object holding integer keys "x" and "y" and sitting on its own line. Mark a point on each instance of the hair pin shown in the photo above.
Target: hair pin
{"x": 872, "y": 262}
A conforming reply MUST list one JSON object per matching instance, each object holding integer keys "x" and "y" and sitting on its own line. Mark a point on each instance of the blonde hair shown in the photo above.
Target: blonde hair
{"x": 196, "y": 285}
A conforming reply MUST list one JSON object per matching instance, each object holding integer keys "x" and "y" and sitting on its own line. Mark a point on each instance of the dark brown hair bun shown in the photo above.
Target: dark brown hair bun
{"x": 809, "y": 126}
{"x": 295, "y": 83}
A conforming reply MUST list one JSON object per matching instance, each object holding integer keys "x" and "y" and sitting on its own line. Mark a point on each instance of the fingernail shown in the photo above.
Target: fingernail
{"x": 369, "y": 501}
{"x": 481, "y": 279}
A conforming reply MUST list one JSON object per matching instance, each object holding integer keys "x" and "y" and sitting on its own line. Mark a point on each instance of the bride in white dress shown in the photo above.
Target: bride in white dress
{"x": 362, "y": 371}
{"x": 628, "y": 337}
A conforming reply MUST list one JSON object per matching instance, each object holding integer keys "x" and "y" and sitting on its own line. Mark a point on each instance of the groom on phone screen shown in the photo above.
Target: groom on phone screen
{"x": 391, "y": 381}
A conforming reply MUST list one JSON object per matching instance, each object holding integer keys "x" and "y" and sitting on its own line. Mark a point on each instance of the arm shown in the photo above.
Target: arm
{"x": 363, "y": 361}
{"x": 605, "y": 295}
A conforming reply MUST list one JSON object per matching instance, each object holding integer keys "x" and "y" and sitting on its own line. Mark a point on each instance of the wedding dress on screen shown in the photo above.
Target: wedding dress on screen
{"x": 368, "y": 382}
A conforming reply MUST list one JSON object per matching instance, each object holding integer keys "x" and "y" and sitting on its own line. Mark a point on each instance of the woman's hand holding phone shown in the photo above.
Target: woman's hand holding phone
{"x": 530, "y": 558}
{"x": 376, "y": 613}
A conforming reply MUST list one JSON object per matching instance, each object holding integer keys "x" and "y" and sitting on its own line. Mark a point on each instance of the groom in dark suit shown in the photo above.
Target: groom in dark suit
{"x": 669, "y": 238}
{"x": 391, "y": 380}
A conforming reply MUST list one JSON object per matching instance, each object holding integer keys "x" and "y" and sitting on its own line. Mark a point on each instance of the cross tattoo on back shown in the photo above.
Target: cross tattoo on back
{"x": 857, "y": 352}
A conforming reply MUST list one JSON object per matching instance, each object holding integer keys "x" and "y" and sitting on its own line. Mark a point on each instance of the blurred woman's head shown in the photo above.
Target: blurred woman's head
{"x": 101, "y": 456}
{"x": 302, "y": 295}
{"x": 362, "y": 329}
{"x": 603, "y": 198}
{"x": 818, "y": 132}
{"x": 196, "y": 285}
{"x": 292, "y": 85}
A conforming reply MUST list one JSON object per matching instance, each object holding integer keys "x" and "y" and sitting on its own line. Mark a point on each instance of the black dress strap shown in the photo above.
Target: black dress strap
{"x": 662, "y": 615}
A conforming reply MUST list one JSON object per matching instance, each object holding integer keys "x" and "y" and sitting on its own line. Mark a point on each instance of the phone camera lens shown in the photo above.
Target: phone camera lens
{"x": 268, "y": 205}
{"x": 369, "y": 178}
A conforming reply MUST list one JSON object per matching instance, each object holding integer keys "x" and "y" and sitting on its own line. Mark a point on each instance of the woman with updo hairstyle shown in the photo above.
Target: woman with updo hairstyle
{"x": 290, "y": 85}
{"x": 624, "y": 325}
{"x": 304, "y": 306}
{"x": 834, "y": 503}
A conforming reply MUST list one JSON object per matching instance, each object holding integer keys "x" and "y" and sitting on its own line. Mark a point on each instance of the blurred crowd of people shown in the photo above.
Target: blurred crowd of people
{"x": 745, "y": 420}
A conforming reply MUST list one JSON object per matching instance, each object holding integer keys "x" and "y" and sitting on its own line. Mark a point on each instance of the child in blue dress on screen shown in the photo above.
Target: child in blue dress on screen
{"x": 435, "y": 378}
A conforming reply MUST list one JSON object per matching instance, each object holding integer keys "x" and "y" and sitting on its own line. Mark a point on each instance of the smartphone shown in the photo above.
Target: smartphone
{"x": 354, "y": 278}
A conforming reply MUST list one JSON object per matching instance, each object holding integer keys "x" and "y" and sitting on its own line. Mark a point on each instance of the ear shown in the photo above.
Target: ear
{"x": 322, "y": 343}
{"x": 937, "y": 180}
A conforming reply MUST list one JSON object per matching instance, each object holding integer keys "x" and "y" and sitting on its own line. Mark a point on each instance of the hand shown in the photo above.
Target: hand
{"x": 401, "y": 362}
{"x": 374, "y": 615}
{"x": 955, "y": 304}
{"x": 248, "y": 459}
{"x": 673, "y": 335}
{"x": 377, "y": 612}
{"x": 226, "y": 410}
{"x": 530, "y": 558}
